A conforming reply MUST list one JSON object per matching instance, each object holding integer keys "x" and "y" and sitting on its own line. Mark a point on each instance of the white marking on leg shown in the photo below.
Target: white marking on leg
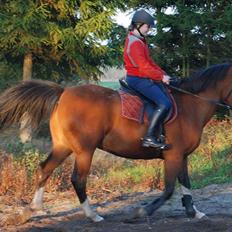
{"x": 37, "y": 201}
{"x": 199, "y": 214}
{"x": 187, "y": 191}
{"x": 90, "y": 213}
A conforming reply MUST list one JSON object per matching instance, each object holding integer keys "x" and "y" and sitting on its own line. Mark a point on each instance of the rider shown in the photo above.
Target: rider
{"x": 144, "y": 75}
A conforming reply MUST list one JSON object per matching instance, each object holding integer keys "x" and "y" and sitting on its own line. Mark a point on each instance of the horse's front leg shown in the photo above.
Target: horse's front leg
{"x": 187, "y": 201}
{"x": 172, "y": 166}
{"x": 79, "y": 179}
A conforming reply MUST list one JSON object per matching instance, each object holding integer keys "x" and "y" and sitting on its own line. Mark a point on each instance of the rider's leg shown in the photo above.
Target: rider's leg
{"x": 156, "y": 94}
{"x": 150, "y": 140}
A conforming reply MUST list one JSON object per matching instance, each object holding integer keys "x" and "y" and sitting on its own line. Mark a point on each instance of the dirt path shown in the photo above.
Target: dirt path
{"x": 62, "y": 216}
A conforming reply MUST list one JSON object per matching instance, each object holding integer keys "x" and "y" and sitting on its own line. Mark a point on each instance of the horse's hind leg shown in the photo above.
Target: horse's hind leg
{"x": 79, "y": 179}
{"x": 187, "y": 201}
{"x": 45, "y": 169}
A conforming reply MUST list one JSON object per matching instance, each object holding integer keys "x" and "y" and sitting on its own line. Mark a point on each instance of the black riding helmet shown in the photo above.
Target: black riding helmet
{"x": 141, "y": 16}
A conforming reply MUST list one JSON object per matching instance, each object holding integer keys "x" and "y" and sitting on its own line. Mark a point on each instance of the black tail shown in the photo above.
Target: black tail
{"x": 37, "y": 98}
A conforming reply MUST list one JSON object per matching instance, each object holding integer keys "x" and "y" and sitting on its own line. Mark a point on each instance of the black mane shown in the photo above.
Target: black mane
{"x": 204, "y": 79}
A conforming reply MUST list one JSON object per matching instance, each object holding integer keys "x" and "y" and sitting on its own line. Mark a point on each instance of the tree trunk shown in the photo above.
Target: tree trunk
{"x": 184, "y": 62}
{"x": 188, "y": 67}
{"x": 183, "y": 66}
{"x": 27, "y": 67}
{"x": 158, "y": 25}
{"x": 25, "y": 132}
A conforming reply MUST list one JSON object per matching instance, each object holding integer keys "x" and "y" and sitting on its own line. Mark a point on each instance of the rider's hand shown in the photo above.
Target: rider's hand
{"x": 166, "y": 79}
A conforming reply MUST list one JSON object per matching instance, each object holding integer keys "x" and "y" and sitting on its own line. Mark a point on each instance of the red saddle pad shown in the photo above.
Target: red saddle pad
{"x": 132, "y": 108}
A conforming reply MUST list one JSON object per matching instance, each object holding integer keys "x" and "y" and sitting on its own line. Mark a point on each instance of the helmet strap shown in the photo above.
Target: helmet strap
{"x": 138, "y": 29}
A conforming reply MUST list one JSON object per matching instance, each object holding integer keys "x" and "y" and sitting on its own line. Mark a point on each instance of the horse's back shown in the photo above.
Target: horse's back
{"x": 88, "y": 111}
{"x": 92, "y": 99}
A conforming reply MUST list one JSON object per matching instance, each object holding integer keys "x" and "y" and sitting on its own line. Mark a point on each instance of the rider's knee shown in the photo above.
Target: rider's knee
{"x": 166, "y": 105}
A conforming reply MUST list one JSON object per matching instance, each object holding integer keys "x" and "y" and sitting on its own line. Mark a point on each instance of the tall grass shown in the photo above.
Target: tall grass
{"x": 211, "y": 163}
{"x": 18, "y": 166}
{"x": 111, "y": 176}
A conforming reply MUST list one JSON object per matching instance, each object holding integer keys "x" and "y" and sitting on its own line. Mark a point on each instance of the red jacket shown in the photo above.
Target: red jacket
{"x": 137, "y": 59}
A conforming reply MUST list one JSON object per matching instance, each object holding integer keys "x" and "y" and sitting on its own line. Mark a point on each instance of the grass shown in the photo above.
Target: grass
{"x": 211, "y": 170}
{"x": 134, "y": 175}
{"x": 211, "y": 163}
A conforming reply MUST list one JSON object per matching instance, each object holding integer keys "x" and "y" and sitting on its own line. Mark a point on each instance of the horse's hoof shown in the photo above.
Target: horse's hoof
{"x": 36, "y": 207}
{"x": 191, "y": 213}
{"x": 25, "y": 215}
{"x": 199, "y": 215}
{"x": 139, "y": 213}
{"x": 97, "y": 218}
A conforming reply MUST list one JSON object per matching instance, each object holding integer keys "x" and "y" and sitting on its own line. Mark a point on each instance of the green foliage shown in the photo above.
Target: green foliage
{"x": 195, "y": 35}
{"x": 217, "y": 170}
{"x": 26, "y": 155}
{"x": 133, "y": 175}
{"x": 10, "y": 72}
{"x": 212, "y": 161}
{"x": 30, "y": 159}
{"x": 116, "y": 40}
{"x": 63, "y": 36}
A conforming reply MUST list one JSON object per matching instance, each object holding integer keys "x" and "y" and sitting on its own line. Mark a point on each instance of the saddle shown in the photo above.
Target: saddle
{"x": 137, "y": 107}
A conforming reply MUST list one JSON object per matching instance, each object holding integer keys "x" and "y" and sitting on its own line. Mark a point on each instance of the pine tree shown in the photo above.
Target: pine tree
{"x": 59, "y": 38}
{"x": 197, "y": 33}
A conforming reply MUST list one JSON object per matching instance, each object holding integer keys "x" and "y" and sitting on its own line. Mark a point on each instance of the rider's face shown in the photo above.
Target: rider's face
{"x": 145, "y": 29}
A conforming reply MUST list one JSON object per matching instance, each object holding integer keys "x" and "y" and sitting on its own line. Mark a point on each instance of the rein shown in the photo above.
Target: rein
{"x": 215, "y": 102}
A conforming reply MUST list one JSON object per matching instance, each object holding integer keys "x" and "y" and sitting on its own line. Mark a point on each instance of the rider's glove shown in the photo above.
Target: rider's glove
{"x": 166, "y": 79}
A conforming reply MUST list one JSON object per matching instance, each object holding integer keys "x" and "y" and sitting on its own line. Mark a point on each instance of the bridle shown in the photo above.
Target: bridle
{"x": 215, "y": 102}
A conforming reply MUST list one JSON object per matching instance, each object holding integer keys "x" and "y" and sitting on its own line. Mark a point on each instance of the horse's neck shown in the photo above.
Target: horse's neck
{"x": 195, "y": 108}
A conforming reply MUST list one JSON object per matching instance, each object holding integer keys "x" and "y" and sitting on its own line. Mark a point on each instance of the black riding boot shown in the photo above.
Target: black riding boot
{"x": 150, "y": 140}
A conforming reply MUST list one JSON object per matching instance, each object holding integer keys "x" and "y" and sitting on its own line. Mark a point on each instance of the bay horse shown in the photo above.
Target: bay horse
{"x": 86, "y": 117}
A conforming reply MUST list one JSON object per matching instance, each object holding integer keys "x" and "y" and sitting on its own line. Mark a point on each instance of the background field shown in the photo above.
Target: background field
{"x": 110, "y": 84}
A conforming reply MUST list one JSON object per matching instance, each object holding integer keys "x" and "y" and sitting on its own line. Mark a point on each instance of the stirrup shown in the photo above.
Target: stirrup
{"x": 149, "y": 142}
